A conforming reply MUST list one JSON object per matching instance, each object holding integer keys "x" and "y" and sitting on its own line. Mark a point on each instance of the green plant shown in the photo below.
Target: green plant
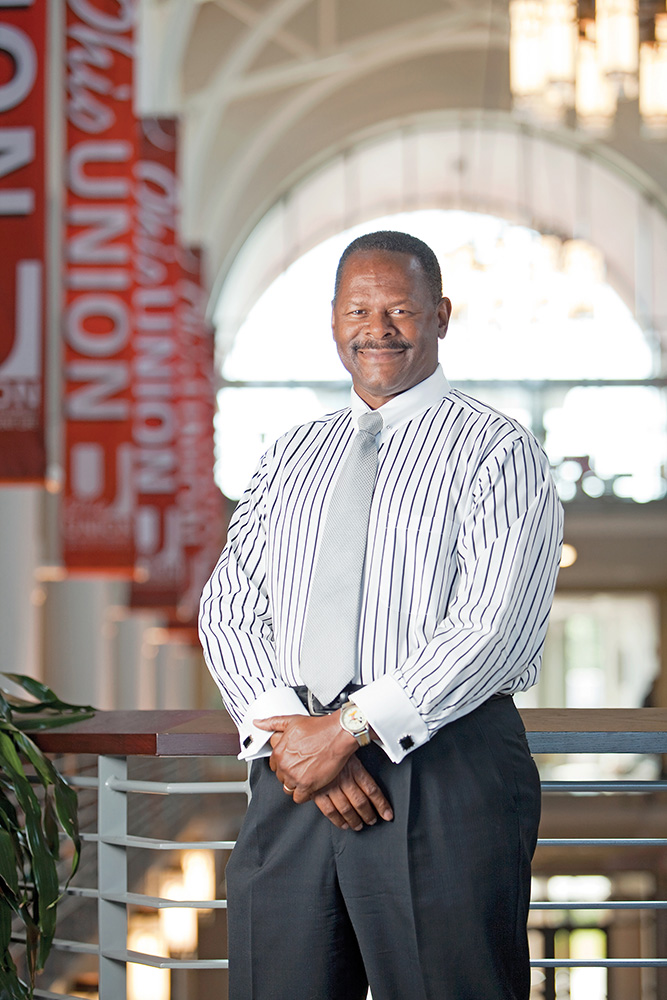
{"x": 36, "y": 803}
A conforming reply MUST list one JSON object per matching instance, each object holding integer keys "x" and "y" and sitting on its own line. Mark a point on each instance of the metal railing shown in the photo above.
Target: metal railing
{"x": 119, "y": 737}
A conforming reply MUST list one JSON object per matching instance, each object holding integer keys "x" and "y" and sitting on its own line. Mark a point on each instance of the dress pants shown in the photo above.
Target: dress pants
{"x": 431, "y": 906}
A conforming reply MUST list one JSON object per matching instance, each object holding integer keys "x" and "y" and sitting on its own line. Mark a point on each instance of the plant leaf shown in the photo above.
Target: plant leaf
{"x": 14, "y": 769}
{"x": 31, "y": 942}
{"x": 5, "y": 707}
{"x": 5, "y": 924}
{"x": 44, "y": 695}
{"x": 29, "y": 835}
{"x": 42, "y": 864}
{"x": 33, "y": 687}
{"x": 8, "y": 872}
{"x": 45, "y": 770}
{"x": 66, "y": 804}
{"x": 51, "y": 824}
{"x": 65, "y": 801}
{"x": 11, "y": 987}
{"x": 8, "y": 817}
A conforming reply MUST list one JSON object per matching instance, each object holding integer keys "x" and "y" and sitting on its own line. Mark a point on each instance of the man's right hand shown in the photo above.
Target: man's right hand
{"x": 353, "y": 798}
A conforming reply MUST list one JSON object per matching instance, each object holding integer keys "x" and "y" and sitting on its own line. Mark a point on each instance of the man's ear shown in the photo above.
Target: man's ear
{"x": 444, "y": 312}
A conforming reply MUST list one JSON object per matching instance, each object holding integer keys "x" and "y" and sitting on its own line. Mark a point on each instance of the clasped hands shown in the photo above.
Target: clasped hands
{"x": 315, "y": 759}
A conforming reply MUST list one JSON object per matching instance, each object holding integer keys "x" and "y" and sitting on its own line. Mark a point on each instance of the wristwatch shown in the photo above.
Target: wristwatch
{"x": 354, "y": 722}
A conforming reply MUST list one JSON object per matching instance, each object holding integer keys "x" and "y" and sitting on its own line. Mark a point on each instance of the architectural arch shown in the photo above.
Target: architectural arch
{"x": 553, "y": 182}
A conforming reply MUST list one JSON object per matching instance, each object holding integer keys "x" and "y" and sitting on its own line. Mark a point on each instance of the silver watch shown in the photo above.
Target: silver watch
{"x": 354, "y": 722}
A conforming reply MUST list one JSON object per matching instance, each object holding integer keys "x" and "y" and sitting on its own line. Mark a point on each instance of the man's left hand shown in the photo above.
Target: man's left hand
{"x": 353, "y": 798}
{"x": 308, "y": 751}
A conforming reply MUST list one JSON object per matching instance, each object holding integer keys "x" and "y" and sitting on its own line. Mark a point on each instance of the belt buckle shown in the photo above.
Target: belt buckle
{"x": 311, "y": 699}
{"x": 315, "y": 707}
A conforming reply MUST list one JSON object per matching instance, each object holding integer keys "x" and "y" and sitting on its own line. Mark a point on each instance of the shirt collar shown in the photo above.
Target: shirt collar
{"x": 406, "y": 404}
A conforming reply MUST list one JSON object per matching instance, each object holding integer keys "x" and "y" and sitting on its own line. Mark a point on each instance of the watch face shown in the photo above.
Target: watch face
{"x": 353, "y": 719}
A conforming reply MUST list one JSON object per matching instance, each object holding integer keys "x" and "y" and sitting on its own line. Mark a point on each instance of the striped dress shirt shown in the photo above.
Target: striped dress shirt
{"x": 462, "y": 555}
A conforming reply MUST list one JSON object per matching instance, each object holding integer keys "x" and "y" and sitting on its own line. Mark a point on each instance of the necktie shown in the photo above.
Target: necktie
{"x": 329, "y": 647}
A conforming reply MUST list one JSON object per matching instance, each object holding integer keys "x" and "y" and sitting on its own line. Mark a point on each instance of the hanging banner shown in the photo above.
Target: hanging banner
{"x": 23, "y": 33}
{"x": 98, "y": 501}
{"x": 156, "y": 380}
{"x": 200, "y": 500}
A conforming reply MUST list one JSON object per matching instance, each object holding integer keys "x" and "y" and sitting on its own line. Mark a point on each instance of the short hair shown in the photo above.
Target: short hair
{"x": 395, "y": 242}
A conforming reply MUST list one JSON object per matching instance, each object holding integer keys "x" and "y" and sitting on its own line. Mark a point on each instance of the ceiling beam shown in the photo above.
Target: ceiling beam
{"x": 238, "y": 173}
{"x": 249, "y": 16}
{"x": 458, "y": 27}
{"x": 447, "y": 31}
{"x": 206, "y": 108}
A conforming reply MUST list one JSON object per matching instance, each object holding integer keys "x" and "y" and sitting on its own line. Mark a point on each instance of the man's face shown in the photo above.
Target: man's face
{"x": 386, "y": 324}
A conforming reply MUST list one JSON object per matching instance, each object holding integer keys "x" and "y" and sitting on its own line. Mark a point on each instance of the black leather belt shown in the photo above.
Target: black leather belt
{"x": 315, "y": 707}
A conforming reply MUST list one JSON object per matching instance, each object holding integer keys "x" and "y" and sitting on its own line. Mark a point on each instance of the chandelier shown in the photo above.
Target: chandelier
{"x": 589, "y": 55}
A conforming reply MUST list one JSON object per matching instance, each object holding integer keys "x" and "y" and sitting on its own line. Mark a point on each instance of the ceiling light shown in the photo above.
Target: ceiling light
{"x": 563, "y": 56}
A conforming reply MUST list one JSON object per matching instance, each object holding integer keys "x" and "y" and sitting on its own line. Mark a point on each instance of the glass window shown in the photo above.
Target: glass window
{"x": 533, "y": 317}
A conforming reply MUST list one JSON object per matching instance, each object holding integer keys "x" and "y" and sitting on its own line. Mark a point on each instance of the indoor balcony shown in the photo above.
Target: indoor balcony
{"x": 162, "y": 796}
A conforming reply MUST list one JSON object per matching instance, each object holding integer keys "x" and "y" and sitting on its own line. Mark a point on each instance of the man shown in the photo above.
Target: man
{"x": 390, "y": 833}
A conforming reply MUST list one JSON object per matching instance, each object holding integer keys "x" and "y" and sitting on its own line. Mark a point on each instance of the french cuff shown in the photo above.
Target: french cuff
{"x": 390, "y": 713}
{"x": 275, "y": 701}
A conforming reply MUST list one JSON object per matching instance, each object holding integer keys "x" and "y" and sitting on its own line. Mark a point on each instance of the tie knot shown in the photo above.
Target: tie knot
{"x": 370, "y": 422}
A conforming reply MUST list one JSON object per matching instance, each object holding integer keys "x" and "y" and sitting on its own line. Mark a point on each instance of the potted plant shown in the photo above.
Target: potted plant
{"x": 36, "y": 803}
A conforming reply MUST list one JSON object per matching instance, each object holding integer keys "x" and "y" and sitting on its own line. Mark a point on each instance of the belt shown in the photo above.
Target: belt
{"x": 315, "y": 707}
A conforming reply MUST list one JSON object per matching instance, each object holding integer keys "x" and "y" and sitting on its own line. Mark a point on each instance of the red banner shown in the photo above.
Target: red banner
{"x": 23, "y": 241}
{"x": 200, "y": 501}
{"x": 98, "y": 502}
{"x": 156, "y": 382}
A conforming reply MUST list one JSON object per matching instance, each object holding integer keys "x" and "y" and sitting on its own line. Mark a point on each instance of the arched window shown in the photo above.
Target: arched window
{"x": 536, "y": 331}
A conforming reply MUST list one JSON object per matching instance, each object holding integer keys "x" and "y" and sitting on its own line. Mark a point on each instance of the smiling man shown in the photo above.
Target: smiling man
{"x": 387, "y": 319}
{"x": 384, "y": 591}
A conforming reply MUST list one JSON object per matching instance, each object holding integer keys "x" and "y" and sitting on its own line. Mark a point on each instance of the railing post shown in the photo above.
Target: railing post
{"x": 112, "y": 878}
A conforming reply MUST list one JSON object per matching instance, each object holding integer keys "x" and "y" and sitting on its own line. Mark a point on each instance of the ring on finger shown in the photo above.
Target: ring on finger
{"x": 290, "y": 791}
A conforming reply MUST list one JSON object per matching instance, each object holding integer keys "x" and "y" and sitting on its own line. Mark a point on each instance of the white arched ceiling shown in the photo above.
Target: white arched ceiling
{"x": 266, "y": 89}
{"x": 482, "y": 165}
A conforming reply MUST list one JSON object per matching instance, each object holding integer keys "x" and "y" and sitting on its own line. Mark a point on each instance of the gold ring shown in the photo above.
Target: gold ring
{"x": 290, "y": 791}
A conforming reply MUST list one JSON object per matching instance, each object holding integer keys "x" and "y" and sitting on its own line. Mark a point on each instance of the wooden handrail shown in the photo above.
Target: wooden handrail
{"x": 163, "y": 733}
{"x": 198, "y": 732}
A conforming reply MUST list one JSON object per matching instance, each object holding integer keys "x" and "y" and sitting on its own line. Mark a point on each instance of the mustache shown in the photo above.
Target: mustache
{"x": 388, "y": 345}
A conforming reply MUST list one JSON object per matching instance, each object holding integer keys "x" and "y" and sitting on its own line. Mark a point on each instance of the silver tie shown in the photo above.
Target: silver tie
{"x": 330, "y": 638}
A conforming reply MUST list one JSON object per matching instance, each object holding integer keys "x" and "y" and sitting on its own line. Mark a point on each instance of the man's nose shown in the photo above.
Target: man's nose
{"x": 380, "y": 325}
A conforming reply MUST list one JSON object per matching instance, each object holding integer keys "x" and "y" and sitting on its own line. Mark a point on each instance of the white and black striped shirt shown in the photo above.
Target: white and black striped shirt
{"x": 463, "y": 549}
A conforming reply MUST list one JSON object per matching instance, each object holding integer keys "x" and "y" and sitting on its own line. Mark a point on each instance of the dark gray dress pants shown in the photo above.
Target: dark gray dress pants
{"x": 431, "y": 906}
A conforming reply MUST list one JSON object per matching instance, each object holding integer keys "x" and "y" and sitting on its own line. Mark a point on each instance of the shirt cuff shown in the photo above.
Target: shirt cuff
{"x": 275, "y": 701}
{"x": 390, "y": 713}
